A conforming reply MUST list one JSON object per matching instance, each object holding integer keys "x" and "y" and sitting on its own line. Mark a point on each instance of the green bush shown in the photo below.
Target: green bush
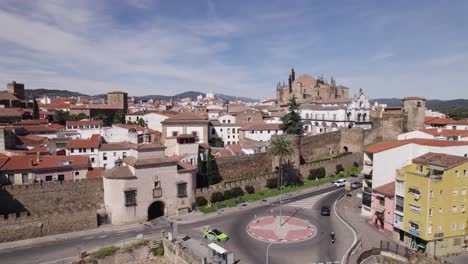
{"x": 159, "y": 250}
{"x": 272, "y": 183}
{"x": 216, "y": 197}
{"x": 237, "y": 191}
{"x": 105, "y": 251}
{"x": 339, "y": 168}
{"x": 137, "y": 244}
{"x": 228, "y": 194}
{"x": 355, "y": 164}
{"x": 249, "y": 189}
{"x": 201, "y": 201}
{"x": 316, "y": 173}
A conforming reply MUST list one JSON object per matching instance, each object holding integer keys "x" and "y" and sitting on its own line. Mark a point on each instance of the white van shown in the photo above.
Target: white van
{"x": 340, "y": 182}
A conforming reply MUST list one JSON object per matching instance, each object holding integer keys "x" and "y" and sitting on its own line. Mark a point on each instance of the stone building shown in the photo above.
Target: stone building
{"x": 147, "y": 185}
{"x": 308, "y": 88}
{"x": 415, "y": 107}
{"x": 16, "y": 89}
{"x": 119, "y": 99}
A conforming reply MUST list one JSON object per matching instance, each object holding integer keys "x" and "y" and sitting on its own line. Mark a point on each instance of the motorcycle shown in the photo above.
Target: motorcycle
{"x": 333, "y": 238}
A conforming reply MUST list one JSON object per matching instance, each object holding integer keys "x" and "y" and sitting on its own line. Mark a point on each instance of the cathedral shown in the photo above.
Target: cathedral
{"x": 308, "y": 89}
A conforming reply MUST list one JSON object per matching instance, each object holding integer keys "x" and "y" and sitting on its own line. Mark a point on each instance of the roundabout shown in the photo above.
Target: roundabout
{"x": 289, "y": 230}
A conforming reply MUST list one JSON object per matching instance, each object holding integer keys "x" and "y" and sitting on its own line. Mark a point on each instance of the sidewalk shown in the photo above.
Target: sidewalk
{"x": 370, "y": 236}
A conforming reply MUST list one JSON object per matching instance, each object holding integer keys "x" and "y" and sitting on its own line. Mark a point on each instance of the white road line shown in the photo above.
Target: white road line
{"x": 307, "y": 203}
{"x": 55, "y": 261}
{"x": 352, "y": 230}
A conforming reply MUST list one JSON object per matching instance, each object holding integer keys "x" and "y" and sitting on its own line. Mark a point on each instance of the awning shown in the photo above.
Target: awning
{"x": 367, "y": 170}
{"x": 379, "y": 208}
{"x": 217, "y": 248}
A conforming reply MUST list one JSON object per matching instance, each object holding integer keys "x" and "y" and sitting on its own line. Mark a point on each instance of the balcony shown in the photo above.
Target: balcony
{"x": 414, "y": 231}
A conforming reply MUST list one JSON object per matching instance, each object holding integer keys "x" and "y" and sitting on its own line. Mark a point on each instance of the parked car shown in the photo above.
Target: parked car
{"x": 325, "y": 210}
{"x": 340, "y": 182}
{"x": 215, "y": 234}
{"x": 356, "y": 185}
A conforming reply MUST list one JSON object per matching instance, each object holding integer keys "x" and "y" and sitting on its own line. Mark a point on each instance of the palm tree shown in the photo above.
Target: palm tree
{"x": 280, "y": 148}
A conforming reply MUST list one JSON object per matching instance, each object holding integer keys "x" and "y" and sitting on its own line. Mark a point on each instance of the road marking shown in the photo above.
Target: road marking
{"x": 55, "y": 261}
{"x": 352, "y": 230}
{"x": 306, "y": 203}
{"x": 87, "y": 238}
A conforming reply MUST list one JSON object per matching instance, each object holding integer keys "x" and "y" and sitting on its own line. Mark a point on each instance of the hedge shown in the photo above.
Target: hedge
{"x": 317, "y": 173}
{"x": 216, "y": 197}
{"x": 249, "y": 189}
{"x": 272, "y": 183}
{"x": 237, "y": 191}
{"x": 201, "y": 201}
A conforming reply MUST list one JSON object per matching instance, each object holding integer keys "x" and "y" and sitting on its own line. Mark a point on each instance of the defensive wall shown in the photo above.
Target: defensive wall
{"x": 36, "y": 210}
{"x": 247, "y": 166}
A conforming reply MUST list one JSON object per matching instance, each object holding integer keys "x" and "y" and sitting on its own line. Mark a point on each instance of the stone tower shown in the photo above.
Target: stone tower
{"x": 17, "y": 89}
{"x": 415, "y": 108}
{"x": 118, "y": 99}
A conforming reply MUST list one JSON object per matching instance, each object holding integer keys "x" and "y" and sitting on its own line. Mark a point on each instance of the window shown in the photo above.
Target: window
{"x": 413, "y": 190}
{"x": 105, "y": 165}
{"x": 462, "y": 208}
{"x": 224, "y": 121}
{"x": 130, "y": 198}
{"x": 439, "y": 228}
{"x": 400, "y": 186}
{"x": 124, "y": 154}
{"x": 61, "y": 177}
{"x": 104, "y": 156}
{"x": 115, "y": 154}
{"x": 430, "y": 211}
{"x": 11, "y": 178}
{"x": 334, "y": 116}
{"x": 421, "y": 168}
{"x": 24, "y": 178}
{"x": 229, "y": 121}
{"x": 462, "y": 226}
{"x": 213, "y": 131}
{"x": 77, "y": 173}
{"x": 415, "y": 208}
{"x": 72, "y": 151}
{"x": 455, "y": 191}
{"x": 182, "y": 189}
{"x": 429, "y": 230}
{"x": 440, "y": 210}
{"x": 157, "y": 184}
{"x": 174, "y": 133}
{"x": 454, "y": 209}
{"x": 414, "y": 225}
{"x": 381, "y": 200}
{"x": 441, "y": 192}
{"x": 465, "y": 173}
{"x": 229, "y": 131}
{"x": 453, "y": 226}
{"x": 92, "y": 160}
{"x": 463, "y": 191}
{"x": 418, "y": 104}
{"x": 398, "y": 218}
{"x": 92, "y": 149}
{"x": 431, "y": 194}
{"x": 399, "y": 203}
{"x": 456, "y": 174}
{"x": 48, "y": 178}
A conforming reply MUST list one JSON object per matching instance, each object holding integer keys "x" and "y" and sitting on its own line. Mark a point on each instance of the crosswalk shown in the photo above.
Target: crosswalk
{"x": 327, "y": 262}
{"x": 306, "y": 203}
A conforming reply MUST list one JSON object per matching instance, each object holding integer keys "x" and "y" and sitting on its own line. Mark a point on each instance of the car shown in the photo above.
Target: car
{"x": 325, "y": 210}
{"x": 215, "y": 234}
{"x": 340, "y": 182}
{"x": 356, "y": 185}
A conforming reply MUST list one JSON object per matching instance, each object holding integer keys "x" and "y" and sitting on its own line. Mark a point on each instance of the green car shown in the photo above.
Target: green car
{"x": 215, "y": 234}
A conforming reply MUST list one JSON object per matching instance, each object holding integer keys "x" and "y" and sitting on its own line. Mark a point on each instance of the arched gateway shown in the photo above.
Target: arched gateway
{"x": 155, "y": 210}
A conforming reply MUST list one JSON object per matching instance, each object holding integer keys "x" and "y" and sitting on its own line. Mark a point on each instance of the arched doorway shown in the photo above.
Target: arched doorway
{"x": 155, "y": 210}
{"x": 345, "y": 148}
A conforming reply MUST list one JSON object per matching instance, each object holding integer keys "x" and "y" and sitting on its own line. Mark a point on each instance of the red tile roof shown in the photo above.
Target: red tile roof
{"x": 29, "y": 162}
{"x": 12, "y": 112}
{"x": 445, "y": 132}
{"x": 96, "y": 106}
{"x": 41, "y": 128}
{"x": 440, "y": 159}
{"x": 32, "y": 140}
{"x": 386, "y": 189}
{"x": 187, "y": 116}
{"x": 95, "y": 173}
{"x": 379, "y": 147}
{"x": 438, "y": 121}
{"x": 84, "y": 123}
{"x": 260, "y": 126}
{"x": 59, "y": 105}
{"x": 92, "y": 142}
{"x": 235, "y": 148}
{"x": 460, "y": 122}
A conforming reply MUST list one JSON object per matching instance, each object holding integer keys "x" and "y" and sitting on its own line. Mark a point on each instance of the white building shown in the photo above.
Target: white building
{"x": 126, "y": 133}
{"x": 85, "y": 128}
{"x": 152, "y": 119}
{"x": 85, "y": 147}
{"x": 228, "y": 132}
{"x": 330, "y": 115}
{"x": 110, "y": 153}
{"x": 260, "y": 131}
{"x": 184, "y": 146}
{"x": 382, "y": 160}
{"x": 436, "y": 133}
{"x": 186, "y": 123}
{"x": 227, "y": 119}
{"x": 148, "y": 185}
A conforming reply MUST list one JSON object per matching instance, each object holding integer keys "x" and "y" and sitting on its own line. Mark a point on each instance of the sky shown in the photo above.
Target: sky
{"x": 387, "y": 48}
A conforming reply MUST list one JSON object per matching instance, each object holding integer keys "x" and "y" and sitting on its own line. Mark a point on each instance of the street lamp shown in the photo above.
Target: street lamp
{"x": 269, "y": 245}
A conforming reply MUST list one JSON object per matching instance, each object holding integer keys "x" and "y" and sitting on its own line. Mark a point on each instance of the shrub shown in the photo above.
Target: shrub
{"x": 249, "y": 189}
{"x": 339, "y": 168}
{"x": 237, "y": 191}
{"x": 355, "y": 164}
{"x": 228, "y": 194}
{"x": 272, "y": 183}
{"x": 105, "y": 251}
{"x": 216, "y": 197}
{"x": 201, "y": 201}
{"x": 137, "y": 244}
{"x": 159, "y": 250}
{"x": 316, "y": 173}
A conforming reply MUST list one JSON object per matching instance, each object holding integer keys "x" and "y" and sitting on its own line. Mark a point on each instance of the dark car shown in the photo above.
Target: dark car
{"x": 356, "y": 185}
{"x": 325, "y": 210}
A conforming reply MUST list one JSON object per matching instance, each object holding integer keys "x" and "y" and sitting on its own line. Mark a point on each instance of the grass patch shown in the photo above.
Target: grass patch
{"x": 105, "y": 251}
{"x": 134, "y": 245}
{"x": 329, "y": 157}
{"x": 158, "y": 250}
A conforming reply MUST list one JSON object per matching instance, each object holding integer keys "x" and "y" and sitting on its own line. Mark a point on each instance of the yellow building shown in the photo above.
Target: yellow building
{"x": 432, "y": 194}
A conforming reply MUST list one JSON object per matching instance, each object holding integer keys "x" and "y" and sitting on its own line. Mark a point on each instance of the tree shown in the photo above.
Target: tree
{"x": 103, "y": 118}
{"x": 209, "y": 168}
{"x": 292, "y": 123}
{"x": 61, "y": 117}
{"x": 141, "y": 122}
{"x": 119, "y": 117}
{"x": 200, "y": 182}
{"x": 35, "y": 109}
{"x": 78, "y": 117}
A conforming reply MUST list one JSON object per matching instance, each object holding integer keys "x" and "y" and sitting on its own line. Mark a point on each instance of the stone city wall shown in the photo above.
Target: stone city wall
{"x": 330, "y": 165}
{"x": 238, "y": 167}
{"x": 36, "y": 210}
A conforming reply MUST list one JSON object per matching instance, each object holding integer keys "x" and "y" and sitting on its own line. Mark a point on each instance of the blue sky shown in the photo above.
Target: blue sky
{"x": 389, "y": 48}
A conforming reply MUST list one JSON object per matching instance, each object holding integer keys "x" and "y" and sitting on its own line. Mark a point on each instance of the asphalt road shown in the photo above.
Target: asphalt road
{"x": 246, "y": 248}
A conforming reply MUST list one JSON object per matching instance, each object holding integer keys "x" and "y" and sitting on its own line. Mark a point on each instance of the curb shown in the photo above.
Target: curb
{"x": 357, "y": 239}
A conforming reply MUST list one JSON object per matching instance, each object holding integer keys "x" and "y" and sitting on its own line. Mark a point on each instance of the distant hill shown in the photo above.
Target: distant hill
{"x": 38, "y": 93}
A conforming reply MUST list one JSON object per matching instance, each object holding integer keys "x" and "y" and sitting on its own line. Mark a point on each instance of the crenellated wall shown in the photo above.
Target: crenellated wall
{"x": 35, "y": 210}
